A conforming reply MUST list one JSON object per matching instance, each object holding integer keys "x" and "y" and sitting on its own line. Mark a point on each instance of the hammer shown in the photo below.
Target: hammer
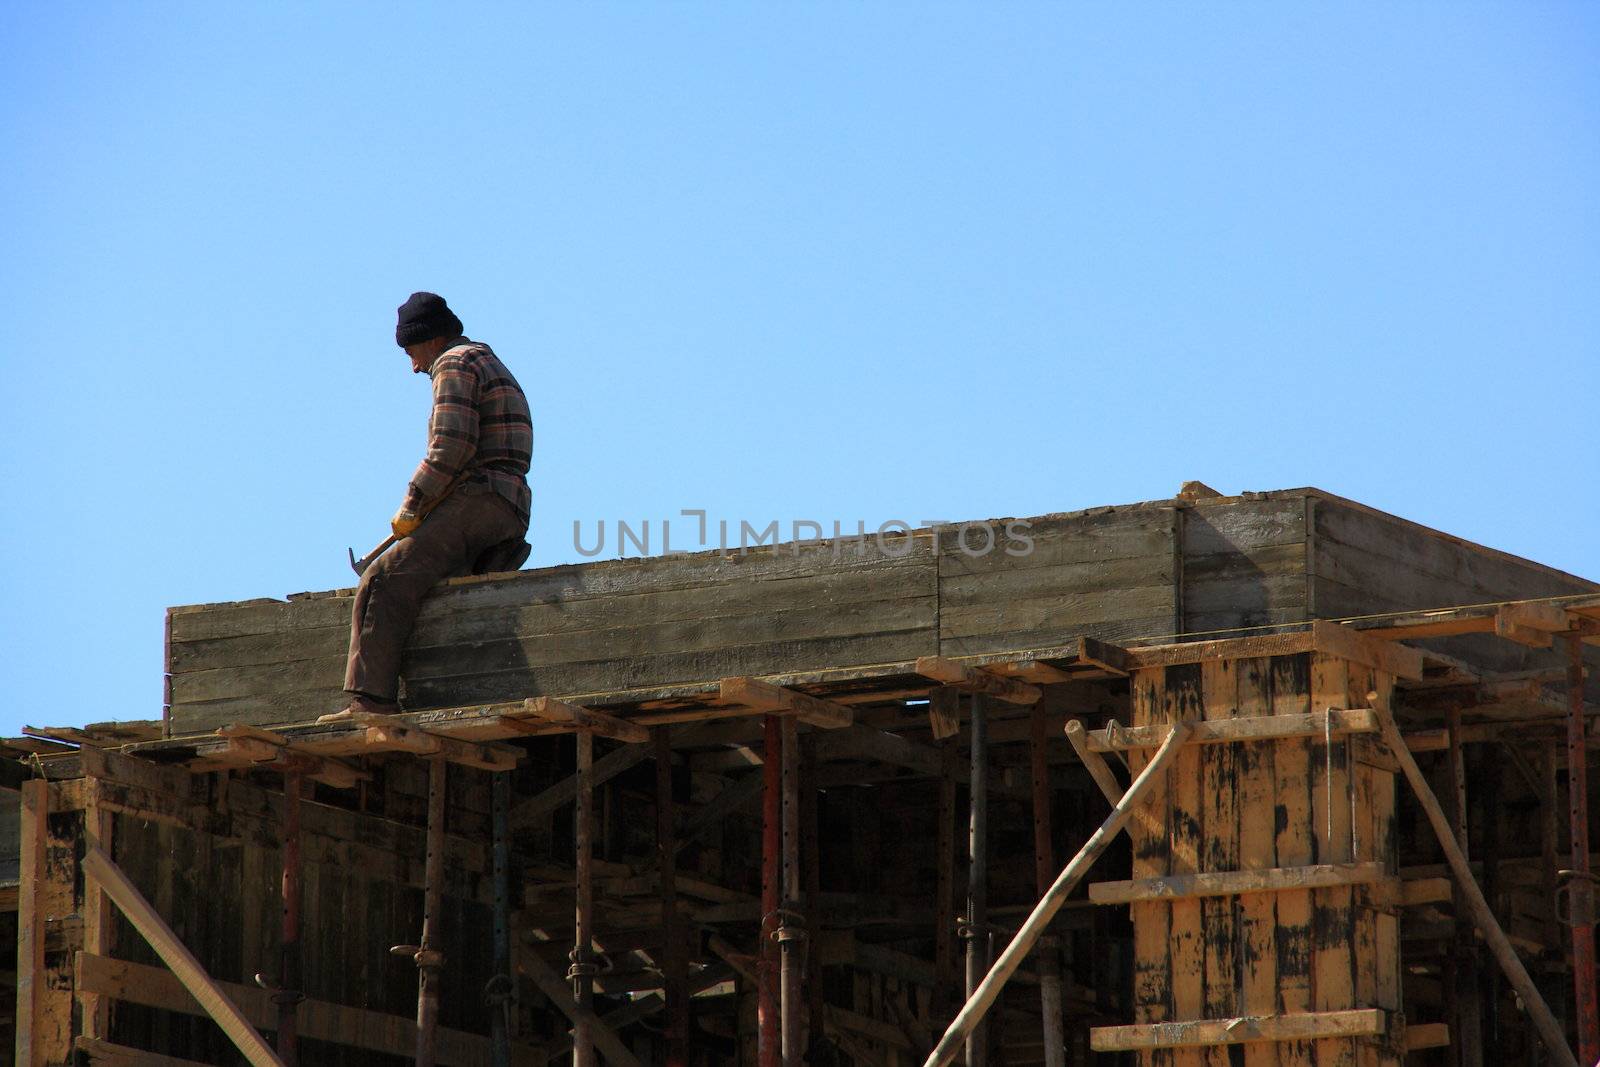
{"x": 360, "y": 565}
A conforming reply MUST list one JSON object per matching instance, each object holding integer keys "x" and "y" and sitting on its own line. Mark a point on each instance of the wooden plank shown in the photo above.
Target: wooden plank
{"x": 1293, "y": 844}
{"x": 944, "y": 712}
{"x": 1220, "y": 845}
{"x": 1152, "y": 955}
{"x": 973, "y": 680}
{"x": 587, "y": 720}
{"x": 97, "y": 865}
{"x": 1232, "y": 883}
{"x": 98, "y": 931}
{"x": 762, "y": 696}
{"x": 385, "y": 735}
{"x": 1342, "y": 722}
{"x": 1427, "y": 1035}
{"x": 1184, "y": 703}
{"x": 1304, "y": 1026}
{"x": 375, "y": 1031}
{"x": 1333, "y": 926}
{"x": 107, "y": 1054}
{"x": 1257, "y": 946}
{"x": 31, "y": 916}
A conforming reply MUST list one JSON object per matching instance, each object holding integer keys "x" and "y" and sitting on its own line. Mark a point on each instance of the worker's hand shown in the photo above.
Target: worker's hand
{"x": 404, "y": 524}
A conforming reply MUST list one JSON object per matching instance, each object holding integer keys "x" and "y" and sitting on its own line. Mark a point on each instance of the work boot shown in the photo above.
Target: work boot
{"x": 361, "y": 704}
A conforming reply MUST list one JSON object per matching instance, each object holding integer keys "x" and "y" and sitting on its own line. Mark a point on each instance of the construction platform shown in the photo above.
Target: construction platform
{"x": 790, "y": 805}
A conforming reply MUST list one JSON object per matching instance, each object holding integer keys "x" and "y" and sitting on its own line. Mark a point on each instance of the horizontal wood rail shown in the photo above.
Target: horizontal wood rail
{"x": 317, "y": 1020}
{"x": 1340, "y": 722}
{"x": 1304, "y": 1026}
{"x": 1232, "y": 883}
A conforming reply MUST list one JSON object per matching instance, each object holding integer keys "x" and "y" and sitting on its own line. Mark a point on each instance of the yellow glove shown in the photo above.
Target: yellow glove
{"x": 404, "y": 524}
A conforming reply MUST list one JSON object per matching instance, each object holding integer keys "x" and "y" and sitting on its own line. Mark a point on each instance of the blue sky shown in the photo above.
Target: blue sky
{"x": 824, "y": 261}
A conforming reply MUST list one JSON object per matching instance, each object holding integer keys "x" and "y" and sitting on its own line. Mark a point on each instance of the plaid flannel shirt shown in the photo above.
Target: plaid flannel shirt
{"x": 479, "y": 425}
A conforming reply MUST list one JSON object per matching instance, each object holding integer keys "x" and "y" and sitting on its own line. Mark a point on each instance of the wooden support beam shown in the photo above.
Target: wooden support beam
{"x": 944, "y": 712}
{"x": 99, "y": 866}
{"x": 556, "y": 990}
{"x": 1093, "y": 761}
{"x": 770, "y": 699}
{"x": 1427, "y": 1035}
{"x": 32, "y": 984}
{"x": 1039, "y": 919}
{"x": 972, "y": 680}
{"x": 1232, "y": 883}
{"x": 384, "y": 733}
{"x": 105, "y": 1054}
{"x": 1304, "y": 1026}
{"x": 1550, "y": 1031}
{"x": 587, "y": 720}
{"x": 319, "y": 1020}
{"x": 250, "y": 747}
{"x": 1338, "y": 722}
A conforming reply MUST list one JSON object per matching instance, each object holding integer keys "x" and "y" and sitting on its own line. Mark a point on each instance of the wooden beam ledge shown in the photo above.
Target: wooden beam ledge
{"x": 771, "y": 699}
{"x": 1302, "y": 1026}
{"x": 970, "y": 680}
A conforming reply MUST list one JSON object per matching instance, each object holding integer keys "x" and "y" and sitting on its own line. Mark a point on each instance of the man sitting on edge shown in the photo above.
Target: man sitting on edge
{"x": 466, "y": 509}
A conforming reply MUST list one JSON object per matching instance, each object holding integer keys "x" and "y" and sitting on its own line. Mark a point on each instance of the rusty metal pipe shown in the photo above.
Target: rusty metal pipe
{"x": 1581, "y": 889}
{"x": 768, "y": 1041}
{"x": 582, "y": 972}
{"x": 978, "y": 874}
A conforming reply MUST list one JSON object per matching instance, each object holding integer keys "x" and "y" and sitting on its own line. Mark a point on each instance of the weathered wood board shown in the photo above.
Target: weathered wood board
{"x": 1123, "y": 574}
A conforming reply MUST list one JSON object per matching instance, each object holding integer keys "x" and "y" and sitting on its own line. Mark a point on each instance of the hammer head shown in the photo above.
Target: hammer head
{"x": 359, "y": 565}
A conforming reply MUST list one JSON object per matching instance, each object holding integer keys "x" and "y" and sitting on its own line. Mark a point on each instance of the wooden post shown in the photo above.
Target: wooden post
{"x": 187, "y": 969}
{"x": 790, "y": 935}
{"x": 1467, "y": 998}
{"x": 1544, "y": 1023}
{"x": 1582, "y": 891}
{"x": 502, "y": 985}
{"x": 287, "y": 995}
{"x": 1039, "y": 919}
{"x": 98, "y": 928}
{"x": 582, "y": 971}
{"x": 978, "y": 873}
{"x": 430, "y": 952}
{"x": 769, "y": 1048}
{"x": 30, "y": 921}
{"x": 672, "y": 953}
{"x": 1044, "y": 873}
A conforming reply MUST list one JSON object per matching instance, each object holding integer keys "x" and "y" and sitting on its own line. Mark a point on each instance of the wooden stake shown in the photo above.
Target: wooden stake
{"x": 1039, "y": 919}
{"x": 1544, "y": 1022}
{"x": 99, "y": 866}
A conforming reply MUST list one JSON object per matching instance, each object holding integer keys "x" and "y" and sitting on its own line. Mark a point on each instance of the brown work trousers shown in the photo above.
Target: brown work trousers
{"x": 446, "y": 545}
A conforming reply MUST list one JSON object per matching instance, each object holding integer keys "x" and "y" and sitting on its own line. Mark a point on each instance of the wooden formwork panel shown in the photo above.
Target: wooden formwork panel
{"x": 1303, "y": 938}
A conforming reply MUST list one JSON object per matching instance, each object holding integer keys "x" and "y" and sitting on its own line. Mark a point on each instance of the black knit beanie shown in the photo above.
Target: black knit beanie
{"x": 423, "y": 317}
